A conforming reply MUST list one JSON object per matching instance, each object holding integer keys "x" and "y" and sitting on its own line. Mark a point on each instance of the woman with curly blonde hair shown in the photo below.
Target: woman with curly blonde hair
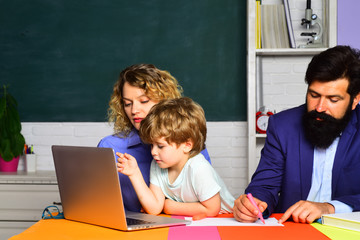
{"x": 138, "y": 88}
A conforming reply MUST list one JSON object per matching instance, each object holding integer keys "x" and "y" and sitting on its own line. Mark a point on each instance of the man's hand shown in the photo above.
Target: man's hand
{"x": 244, "y": 211}
{"x": 306, "y": 211}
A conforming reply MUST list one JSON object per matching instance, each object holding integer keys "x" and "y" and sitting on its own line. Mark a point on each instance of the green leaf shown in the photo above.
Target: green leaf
{"x": 11, "y": 140}
{"x": 2, "y": 107}
{"x": 18, "y": 144}
{"x": 6, "y": 153}
{"x": 13, "y": 120}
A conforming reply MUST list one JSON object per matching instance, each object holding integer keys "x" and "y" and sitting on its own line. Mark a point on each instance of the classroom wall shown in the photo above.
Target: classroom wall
{"x": 227, "y": 141}
{"x": 348, "y": 20}
{"x": 279, "y": 91}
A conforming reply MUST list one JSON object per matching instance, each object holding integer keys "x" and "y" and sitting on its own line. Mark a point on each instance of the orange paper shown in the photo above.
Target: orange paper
{"x": 65, "y": 229}
{"x": 291, "y": 230}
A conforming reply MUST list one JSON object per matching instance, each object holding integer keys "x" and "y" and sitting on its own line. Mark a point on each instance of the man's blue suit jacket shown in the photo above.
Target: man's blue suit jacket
{"x": 283, "y": 176}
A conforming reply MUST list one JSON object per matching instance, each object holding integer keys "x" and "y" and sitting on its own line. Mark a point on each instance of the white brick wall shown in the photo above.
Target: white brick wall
{"x": 227, "y": 146}
{"x": 282, "y": 81}
{"x": 226, "y": 143}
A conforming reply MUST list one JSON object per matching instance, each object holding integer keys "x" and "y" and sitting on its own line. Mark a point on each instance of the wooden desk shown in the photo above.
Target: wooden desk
{"x": 65, "y": 229}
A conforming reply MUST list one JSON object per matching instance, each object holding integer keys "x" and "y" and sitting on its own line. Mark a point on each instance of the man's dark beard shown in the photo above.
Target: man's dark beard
{"x": 322, "y": 133}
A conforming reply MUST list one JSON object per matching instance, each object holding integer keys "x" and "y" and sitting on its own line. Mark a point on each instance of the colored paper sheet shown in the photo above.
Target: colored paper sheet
{"x": 65, "y": 229}
{"x": 337, "y": 233}
{"x": 291, "y": 230}
{"x": 231, "y": 222}
{"x": 198, "y": 233}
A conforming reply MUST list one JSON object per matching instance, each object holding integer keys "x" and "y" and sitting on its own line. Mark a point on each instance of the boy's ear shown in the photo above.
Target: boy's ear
{"x": 188, "y": 146}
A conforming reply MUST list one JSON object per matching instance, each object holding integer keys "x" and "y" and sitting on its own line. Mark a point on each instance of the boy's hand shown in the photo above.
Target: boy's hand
{"x": 127, "y": 164}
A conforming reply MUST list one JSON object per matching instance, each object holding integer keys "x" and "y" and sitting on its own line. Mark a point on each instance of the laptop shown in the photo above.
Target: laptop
{"x": 90, "y": 190}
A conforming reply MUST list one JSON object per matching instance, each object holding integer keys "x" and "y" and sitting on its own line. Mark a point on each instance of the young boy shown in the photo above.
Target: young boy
{"x": 182, "y": 182}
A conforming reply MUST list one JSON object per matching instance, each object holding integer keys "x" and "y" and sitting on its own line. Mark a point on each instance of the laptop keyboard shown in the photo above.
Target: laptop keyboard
{"x": 133, "y": 221}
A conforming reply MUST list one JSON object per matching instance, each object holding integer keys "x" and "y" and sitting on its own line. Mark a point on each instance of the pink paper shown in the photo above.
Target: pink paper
{"x": 198, "y": 233}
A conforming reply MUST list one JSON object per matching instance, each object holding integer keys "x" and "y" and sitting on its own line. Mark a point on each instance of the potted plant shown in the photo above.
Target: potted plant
{"x": 11, "y": 140}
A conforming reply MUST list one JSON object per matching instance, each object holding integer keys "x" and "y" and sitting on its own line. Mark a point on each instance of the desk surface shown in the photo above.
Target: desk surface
{"x": 65, "y": 229}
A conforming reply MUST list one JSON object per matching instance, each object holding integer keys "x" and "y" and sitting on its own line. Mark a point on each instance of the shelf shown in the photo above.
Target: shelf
{"x": 255, "y": 68}
{"x": 23, "y": 177}
{"x": 288, "y": 51}
{"x": 260, "y": 135}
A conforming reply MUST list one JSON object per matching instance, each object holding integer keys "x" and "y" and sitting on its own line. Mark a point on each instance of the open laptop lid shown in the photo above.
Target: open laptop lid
{"x": 89, "y": 186}
{"x": 90, "y": 190}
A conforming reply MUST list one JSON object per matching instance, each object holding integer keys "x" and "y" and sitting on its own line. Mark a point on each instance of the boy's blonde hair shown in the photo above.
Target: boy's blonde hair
{"x": 157, "y": 85}
{"x": 177, "y": 120}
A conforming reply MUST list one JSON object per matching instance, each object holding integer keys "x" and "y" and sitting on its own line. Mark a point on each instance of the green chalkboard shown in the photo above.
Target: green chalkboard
{"x": 62, "y": 57}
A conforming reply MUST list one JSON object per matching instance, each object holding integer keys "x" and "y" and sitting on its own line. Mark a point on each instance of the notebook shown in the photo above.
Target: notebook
{"x": 90, "y": 190}
{"x": 349, "y": 221}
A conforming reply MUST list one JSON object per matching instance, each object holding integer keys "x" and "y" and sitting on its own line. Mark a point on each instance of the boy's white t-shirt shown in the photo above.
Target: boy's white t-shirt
{"x": 197, "y": 182}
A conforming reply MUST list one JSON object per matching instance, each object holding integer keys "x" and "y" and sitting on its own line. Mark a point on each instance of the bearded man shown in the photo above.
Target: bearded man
{"x": 310, "y": 163}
